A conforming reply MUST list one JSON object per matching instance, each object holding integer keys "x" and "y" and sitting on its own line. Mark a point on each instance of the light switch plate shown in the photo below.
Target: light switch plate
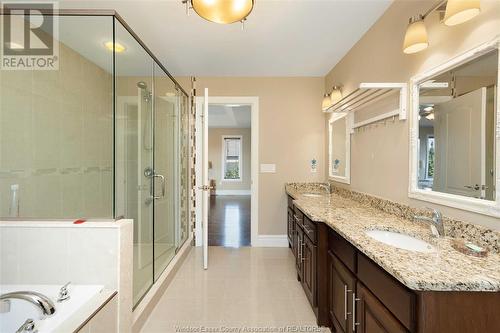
{"x": 268, "y": 168}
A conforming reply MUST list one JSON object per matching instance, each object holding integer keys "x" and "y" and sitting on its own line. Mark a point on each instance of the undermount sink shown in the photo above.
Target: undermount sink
{"x": 402, "y": 241}
{"x": 312, "y": 195}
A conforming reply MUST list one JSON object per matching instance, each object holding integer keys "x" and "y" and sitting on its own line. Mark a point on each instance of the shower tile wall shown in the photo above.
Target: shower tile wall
{"x": 56, "y": 139}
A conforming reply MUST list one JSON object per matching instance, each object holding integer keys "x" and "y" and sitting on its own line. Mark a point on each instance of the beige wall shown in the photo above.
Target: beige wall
{"x": 215, "y": 156}
{"x": 380, "y": 154}
{"x": 291, "y": 132}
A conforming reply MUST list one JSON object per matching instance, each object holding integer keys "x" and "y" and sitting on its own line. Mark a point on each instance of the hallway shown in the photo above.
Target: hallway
{"x": 246, "y": 287}
{"x": 229, "y": 220}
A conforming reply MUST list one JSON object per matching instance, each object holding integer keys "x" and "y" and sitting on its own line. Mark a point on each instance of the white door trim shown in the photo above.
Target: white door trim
{"x": 253, "y": 101}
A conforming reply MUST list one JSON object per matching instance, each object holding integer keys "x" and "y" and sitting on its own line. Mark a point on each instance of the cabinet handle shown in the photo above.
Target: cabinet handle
{"x": 345, "y": 301}
{"x": 296, "y": 218}
{"x": 302, "y": 251}
{"x": 354, "y": 323}
{"x": 306, "y": 229}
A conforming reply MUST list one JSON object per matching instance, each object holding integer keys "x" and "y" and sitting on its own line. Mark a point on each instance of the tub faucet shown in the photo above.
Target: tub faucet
{"x": 436, "y": 222}
{"x": 42, "y": 302}
{"x": 327, "y": 187}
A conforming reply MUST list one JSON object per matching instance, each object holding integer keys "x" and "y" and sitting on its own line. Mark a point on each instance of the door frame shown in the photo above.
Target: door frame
{"x": 253, "y": 101}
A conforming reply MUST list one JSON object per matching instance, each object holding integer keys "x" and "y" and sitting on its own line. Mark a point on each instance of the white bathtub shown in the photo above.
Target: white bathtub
{"x": 21, "y": 310}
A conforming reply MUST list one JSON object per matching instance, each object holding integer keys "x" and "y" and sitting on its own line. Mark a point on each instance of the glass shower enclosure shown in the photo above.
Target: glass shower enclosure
{"x": 103, "y": 135}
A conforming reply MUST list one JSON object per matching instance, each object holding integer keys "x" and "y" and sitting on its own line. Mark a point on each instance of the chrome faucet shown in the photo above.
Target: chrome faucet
{"x": 42, "y": 302}
{"x": 436, "y": 222}
{"x": 327, "y": 187}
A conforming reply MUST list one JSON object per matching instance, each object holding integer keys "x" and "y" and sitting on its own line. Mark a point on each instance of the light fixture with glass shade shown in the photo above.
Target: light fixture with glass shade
{"x": 460, "y": 11}
{"x": 416, "y": 36}
{"x": 326, "y": 102}
{"x": 336, "y": 95}
{"x": 455, "y": 12}
{"x": 222, "y": 11}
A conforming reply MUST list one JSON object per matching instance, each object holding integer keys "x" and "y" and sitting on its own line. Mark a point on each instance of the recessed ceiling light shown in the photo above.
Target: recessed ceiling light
{"x": 119, "y": 48}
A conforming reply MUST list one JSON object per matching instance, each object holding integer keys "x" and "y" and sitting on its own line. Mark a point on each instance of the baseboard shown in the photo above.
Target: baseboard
{"x": 233, "y": 192}
{"x": 271, "y": 241}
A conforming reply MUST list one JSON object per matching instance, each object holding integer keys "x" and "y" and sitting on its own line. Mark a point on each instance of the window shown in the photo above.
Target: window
{"x": 231, "y": 147}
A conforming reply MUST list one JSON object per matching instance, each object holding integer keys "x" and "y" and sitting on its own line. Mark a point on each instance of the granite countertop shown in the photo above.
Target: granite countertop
{"x": 446, "y": 269}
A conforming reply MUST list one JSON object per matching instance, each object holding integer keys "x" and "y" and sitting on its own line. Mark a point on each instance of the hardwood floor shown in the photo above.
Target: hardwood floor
{"x": 229, "y": 221}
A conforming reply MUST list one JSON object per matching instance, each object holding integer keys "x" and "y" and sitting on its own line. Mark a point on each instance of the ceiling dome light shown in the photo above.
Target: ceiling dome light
{"x": 326, "y": 102}
{"x": 460, "y": 11}
{"x": 336, "y": 95}
{"x": 223, "y": 11}
{"x": 416, "y": 36}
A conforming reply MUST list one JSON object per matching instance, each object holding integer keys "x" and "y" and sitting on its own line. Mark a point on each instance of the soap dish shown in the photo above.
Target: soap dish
{"x": 469, "y": 248}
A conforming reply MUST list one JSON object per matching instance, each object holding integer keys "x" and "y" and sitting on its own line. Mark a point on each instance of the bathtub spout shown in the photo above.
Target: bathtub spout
{"x": 41, "y": 301}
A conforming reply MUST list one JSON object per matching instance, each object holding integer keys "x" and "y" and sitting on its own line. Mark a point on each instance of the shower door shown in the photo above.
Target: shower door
{"x": 166, "y": 165}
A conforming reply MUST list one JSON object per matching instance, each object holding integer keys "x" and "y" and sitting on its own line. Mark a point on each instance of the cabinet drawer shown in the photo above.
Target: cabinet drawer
{"x": 310, "y": 229}
{"x": 290, "y": 202}
{"x": 298, "y": 216}
{"x": 397, "y": 298}
{"x": 343, "y": 250}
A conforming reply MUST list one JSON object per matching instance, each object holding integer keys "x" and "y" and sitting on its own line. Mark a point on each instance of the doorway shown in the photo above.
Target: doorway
{"x": 232, "y": 150}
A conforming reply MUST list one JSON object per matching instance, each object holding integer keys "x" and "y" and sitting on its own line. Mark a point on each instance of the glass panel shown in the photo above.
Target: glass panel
{"x": 56, "y": 128}
{"x": 134, "y": 152}
{"x": 166, "y": 167}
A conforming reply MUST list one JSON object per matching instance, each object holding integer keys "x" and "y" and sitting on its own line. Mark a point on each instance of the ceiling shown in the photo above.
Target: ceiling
{"x": 281, "y": 37}
{"x": 229, "y": 116}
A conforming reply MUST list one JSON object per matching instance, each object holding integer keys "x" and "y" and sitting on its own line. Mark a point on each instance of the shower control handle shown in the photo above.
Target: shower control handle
{"x": 163, "y": 186}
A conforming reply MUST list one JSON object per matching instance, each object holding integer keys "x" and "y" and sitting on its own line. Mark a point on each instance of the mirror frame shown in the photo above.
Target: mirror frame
{"x": 481, "y": 206}
{"x": 348, "y": 118}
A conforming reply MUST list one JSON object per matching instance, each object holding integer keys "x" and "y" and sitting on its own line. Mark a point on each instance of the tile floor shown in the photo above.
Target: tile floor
{"x": 243, "y": 287}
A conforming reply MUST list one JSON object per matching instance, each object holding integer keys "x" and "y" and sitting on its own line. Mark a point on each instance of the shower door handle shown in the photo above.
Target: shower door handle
{"x": 163, "y": 186}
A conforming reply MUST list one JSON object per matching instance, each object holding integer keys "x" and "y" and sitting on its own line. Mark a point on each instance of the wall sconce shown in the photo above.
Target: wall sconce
{"x": 416, "y": 36}
{"x": 336, "y": 95}
{"x": 456, "y": 12}
{"x": 326, "y": 102}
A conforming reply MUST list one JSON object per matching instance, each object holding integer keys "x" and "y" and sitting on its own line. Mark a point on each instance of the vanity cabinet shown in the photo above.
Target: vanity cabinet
{"x": 341, "y": 285}
{"x": 302, "y": 239}
{"x": 350, "y": 293}
{"x": 309, "y": 269}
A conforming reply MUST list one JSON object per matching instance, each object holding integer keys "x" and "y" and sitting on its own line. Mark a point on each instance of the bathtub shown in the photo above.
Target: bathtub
{"x": 21, "y": 310}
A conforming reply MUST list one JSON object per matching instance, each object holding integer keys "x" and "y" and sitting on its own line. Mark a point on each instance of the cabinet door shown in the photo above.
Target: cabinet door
{"x": 309, "y": 270}
{"x": 340, "y": 290}
{"x": 372, "y": 316}
{"x": 290, "y": 226}
{"x": 299, "y": 250}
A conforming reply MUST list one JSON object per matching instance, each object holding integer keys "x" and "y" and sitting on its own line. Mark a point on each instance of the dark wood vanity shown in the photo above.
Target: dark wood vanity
{"x": 350, "y": 293}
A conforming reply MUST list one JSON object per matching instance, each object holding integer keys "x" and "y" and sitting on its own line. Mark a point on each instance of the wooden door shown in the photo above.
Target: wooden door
{"x": 459, "y": 131}
{"x": 299, "y": 248}
{"x": 309, "y": 270}
{"x": 372, "y": 316}
{"x": 342, "y": 284}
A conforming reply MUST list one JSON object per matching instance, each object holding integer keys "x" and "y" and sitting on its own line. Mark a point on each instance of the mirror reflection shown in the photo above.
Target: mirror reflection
{"x": 338, "y": 134}
{"x": 457, "y": 129}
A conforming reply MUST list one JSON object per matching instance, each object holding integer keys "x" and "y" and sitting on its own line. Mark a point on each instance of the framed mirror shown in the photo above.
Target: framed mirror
{"x": 339, "y": 147}
{"x": 455, "y": 133}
